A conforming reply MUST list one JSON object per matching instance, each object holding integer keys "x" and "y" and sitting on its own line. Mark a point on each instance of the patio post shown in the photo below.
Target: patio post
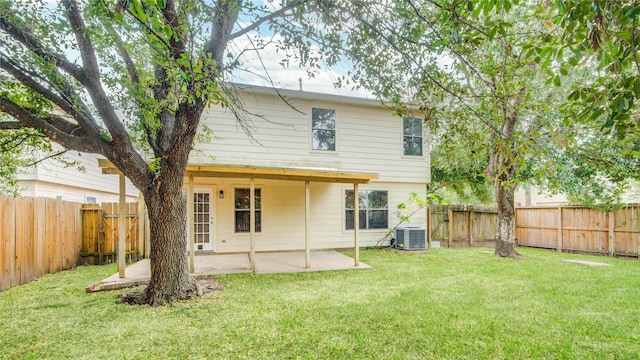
{"x": 307, "y": 223}
{"x": 190, "y": 226}
{"x": 252, "y": 223}
{"x": 356, "y": 224}
{"x": 122, "y": 231}
{"x": 141, "y": 221}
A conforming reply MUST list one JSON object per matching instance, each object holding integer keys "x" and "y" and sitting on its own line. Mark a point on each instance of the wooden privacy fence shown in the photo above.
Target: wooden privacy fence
{"x": 578, "y": 229}
{"x": 100, "y": 232}
{"x": 38, "y": 236}
{"x": 462, "y": 225}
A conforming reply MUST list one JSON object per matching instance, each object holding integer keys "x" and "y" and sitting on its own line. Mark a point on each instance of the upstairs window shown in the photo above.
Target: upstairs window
{"x": 323, "y": 129}
{"x": 242, "y": 211}
{"x": 412, "y": 136}
{"x": 373, "y": 209}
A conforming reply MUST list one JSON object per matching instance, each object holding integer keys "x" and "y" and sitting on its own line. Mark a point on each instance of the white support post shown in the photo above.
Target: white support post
{"x": 356, "y": 224}
{"x": 307, "y": 223}
{"x": 190, "y": 226}
{"x": 141, "y": 220}
{"x": 122, "y": 231}
{"x": 252, "y": 224}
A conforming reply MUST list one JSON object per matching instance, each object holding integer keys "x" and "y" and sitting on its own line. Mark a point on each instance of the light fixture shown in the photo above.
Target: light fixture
{"x": 221, "y": 194}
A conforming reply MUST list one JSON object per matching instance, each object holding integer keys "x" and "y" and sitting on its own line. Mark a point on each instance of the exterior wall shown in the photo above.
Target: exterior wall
{"x": 34, "y": 188}
{"x": 368, "y": 137}
{"x": 533, "y": 196}
{"x": 283, "y": 214}
{"x": 52, "y": 179}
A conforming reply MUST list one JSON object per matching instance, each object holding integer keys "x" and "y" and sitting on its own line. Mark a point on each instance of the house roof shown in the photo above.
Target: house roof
{"x": 264, "y": 172}
{"x": 307, "y": 95}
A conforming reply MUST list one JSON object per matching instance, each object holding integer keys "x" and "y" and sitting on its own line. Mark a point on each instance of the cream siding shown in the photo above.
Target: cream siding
{"x": 52, "y": 179}
{"x": 35, "y": 188}
{"x": 368, "y": 139}
{"x": 283, "y": 214}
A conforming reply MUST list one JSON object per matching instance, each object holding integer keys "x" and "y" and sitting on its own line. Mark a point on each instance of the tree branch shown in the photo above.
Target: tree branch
{"x": 87, "y": 51}
{"x": 225, "y": 16}
{"x": 93, "y": 85}
{"x": 429, "y": 77}
{"x": 68, "y": 104}
{"x": 11, "y": 125}
{"x": 30, "y": 42}
{"x": 634, "y": 51}
{"x": 464, "y": 60}
{"x": 54, "y": 127}
{"x": 149, "y": 30}
{"x": 276, "y": 14}
{"x": 176, "y": 44}
{"x": 124, "y": 54}
{"x": 56, "y": 154}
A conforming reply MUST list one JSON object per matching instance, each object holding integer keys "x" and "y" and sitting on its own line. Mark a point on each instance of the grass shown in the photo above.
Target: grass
{"x": 461, "y": 303}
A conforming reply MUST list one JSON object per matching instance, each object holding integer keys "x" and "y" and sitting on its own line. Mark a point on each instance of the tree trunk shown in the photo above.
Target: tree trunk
{"x": 170, "y": 279}
{"x": 502, "y": 170}
{"x": 506, "y": 234}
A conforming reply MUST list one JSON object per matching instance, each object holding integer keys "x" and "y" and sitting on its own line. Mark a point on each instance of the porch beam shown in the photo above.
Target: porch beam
{"x": 307, "y": 224}
{"x": 252, "y": 223}
{"x": 190, "y": 226}
{"x": 122, "y": 231}
{"x": 140, "y": 222}
{"x": 356, "y": 225}
{"x": 261, "y": 172}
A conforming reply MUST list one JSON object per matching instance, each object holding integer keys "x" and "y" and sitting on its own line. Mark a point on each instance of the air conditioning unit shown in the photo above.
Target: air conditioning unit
{"x": 411, "y": 238}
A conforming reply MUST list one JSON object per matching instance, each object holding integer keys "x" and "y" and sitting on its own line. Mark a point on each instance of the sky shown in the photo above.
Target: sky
{"x": 292, "y": 77}
{"x": 286, "y": 78}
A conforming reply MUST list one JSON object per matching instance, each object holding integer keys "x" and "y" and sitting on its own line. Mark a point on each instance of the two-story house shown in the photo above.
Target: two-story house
{"x": 305, "y": 155}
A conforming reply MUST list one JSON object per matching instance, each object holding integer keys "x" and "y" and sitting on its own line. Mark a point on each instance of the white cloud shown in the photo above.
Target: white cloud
{"x": 261, "y": 66}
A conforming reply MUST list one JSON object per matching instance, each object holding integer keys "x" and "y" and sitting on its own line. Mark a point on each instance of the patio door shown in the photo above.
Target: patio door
{"x": 203, "y": 220}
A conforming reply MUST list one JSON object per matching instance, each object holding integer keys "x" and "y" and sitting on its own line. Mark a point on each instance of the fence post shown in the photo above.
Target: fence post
{"x": 449, "y": 225}
{"x": 559, "y": 245}
{"x": 39, "y": 221}
{"x": 612, "y": 238}
{"x": 429, "y": 226}
{"x": 470, "y": 227}
{"x": 12, "y": 246}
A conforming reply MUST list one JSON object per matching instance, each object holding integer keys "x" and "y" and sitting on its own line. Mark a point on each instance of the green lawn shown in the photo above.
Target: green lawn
{"x": 461, "y": 303}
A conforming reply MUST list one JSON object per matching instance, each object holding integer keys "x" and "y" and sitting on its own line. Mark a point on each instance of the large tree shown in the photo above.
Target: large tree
{"x": 476, "y": 66}
{"x": 120, "y": 78}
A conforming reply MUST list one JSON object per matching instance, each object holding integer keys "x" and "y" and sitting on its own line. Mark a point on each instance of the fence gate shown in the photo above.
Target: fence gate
{"x": 100, "y": 233}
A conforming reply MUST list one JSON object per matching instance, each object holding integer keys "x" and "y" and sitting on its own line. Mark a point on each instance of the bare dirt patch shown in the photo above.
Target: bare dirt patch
{"x": 204, "y": 285}
{"x": 587, "y": 263}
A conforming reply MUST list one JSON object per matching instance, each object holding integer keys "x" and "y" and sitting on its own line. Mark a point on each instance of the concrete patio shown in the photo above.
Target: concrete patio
{"x": 265, "y": 263}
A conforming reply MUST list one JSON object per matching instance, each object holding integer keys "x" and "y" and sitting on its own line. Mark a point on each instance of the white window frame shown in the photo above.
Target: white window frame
{"x": 365, "y": 207}
{"x": 335, "y": 131}
{"x": 258, "y": 210}
{"x": 413, "y": 136}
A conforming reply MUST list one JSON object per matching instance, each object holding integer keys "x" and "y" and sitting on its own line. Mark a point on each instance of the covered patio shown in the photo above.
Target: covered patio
{"x": 296, "y": 174}
{"x": 139, "y": 273}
